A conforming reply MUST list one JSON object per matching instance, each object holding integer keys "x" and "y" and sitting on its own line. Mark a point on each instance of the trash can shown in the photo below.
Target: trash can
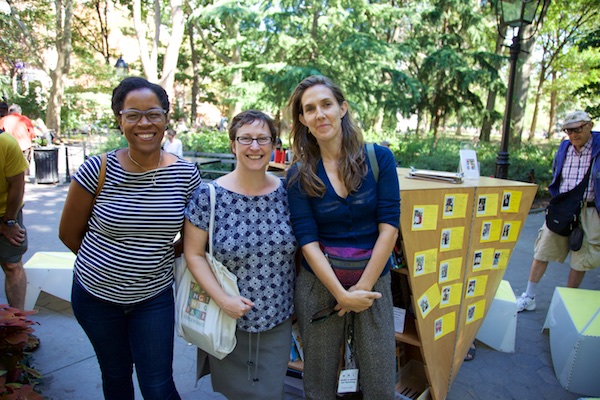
{"x": 46, "y": 164}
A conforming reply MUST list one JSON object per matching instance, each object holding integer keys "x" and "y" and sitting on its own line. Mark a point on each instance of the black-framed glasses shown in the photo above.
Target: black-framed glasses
{"x": 323, "y": 314}
{"x": 261, "y": 140}
{"x": 133, "y": 116}
{"x": 568, "y": 131}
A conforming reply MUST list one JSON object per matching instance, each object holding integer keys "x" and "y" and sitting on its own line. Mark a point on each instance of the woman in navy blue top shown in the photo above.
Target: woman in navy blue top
{"x": 339, "y": 207}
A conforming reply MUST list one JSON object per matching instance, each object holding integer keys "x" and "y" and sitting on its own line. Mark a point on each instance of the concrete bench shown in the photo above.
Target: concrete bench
{"x": 50, "y": 272}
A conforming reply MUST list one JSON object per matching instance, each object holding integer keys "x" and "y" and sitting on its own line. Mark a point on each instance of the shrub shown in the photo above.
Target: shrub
{"x": 17, "y": 378}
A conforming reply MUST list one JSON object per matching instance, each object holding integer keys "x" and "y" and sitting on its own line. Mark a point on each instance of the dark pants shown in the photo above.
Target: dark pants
{"x": 123, "y": 335}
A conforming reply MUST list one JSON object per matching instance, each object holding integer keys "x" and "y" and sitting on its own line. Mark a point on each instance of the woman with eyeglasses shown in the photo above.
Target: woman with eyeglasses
{"x": 345, "y": 217}
{"x": 253, "y": 238}
{"x": 122, "y": 292}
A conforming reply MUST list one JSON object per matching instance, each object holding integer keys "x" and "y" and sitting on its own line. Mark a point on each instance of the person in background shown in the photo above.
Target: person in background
{"x": 122, "y": 292}
{"x": 172, "y": 144}
{"x": 385, "y": 143}
{"x": 253, "y": 238}
{"x": 339, "y": 207}
{"x": 21, "y": 128}
{"x": 571, "y": 162}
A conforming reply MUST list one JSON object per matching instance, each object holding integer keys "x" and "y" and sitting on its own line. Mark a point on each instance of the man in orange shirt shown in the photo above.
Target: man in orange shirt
{"x": 21, "y": 128}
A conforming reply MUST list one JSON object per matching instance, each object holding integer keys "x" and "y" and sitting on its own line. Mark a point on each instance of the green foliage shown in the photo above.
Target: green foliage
{"x": 17, "y": 378}
{"x": 206, "y": 140}
{"x": 420, "y": 152}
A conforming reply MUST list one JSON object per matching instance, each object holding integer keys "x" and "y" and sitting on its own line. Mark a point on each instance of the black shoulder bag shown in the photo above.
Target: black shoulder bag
{"x": 562, "y": 214}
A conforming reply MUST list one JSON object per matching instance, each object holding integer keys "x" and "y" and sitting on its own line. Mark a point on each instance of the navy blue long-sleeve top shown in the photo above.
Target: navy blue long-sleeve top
{"x": 350, "y": 222}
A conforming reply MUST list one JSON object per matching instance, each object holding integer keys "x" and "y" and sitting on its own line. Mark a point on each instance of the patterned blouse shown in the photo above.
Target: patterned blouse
{"x": 253, "y": 238}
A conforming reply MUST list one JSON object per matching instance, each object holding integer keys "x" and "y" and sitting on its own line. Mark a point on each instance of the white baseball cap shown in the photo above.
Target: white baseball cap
{"x": 575, "y": 119}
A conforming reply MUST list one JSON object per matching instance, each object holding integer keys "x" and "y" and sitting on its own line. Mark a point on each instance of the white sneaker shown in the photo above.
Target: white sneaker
{"x": 525, "y": 303}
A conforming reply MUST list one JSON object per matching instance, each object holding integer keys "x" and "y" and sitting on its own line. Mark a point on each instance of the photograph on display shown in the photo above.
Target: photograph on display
{"x": 445, "y": 241}
{"x": 425, "y": 262}
{"x": 505, "y": 232}
{"x": 477, "y": 256}
{"x": 425, "y": 217}
{"x": 447, "y": 324}
{"x": 418, "y": 218}
{"x": 429, "y": 300}
{"x": 510, "y": 231}
{"x": 487, "y": 205}
{"x": 496, "y": 261}
{"x": 486, "y": 229}
{"x": 446, "y": 291}
{"x": 455, "y": 205}
{"x": 471, "y": 313}
{"x": 511, "y": 201}
{"x": 451, "y": 295}
{"x": 471, "y": 287}
{"x": 444, "y": 272}
{"x": 438, "y": 327}
{"x": 475, "y": 311}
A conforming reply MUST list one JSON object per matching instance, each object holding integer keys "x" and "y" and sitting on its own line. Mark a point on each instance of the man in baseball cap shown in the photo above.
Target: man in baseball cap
{"x": 571, "y": 163}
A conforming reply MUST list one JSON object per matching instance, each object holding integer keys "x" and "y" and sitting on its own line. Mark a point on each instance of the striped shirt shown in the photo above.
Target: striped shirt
{"x": 574, "y": 169}
{"x": 127, "y": 254}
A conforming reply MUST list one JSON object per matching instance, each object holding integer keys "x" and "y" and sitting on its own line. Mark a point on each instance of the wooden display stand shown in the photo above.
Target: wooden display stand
{"x": 457, "y": 240}
{"x": 443, "y": 226}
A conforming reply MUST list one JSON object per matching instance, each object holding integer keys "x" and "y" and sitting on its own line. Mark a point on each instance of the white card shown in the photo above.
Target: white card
{"x": 468, "y": 164}
{"x": 348, "y": 382}
{"x": 399, "y": 316}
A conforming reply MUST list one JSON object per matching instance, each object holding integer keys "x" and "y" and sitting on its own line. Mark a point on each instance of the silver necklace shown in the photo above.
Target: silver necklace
{"x": 144, "y": 168}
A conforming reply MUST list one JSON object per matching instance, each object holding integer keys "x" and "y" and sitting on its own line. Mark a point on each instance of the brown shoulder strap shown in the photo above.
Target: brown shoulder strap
{"x": 101, "y": 176}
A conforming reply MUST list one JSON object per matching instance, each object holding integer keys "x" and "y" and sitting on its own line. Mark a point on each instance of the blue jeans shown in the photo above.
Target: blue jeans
{"x": 123, "y": 335}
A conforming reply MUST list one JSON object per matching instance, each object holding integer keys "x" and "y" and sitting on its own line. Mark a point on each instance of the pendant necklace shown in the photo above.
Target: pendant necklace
{"x": 144, "y": 168}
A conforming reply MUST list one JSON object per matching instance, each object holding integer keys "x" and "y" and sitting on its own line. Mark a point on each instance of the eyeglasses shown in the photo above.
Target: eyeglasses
{"x": 154, "y": 115}
{"x": 323, "y": 314}
{"x": 261, "y": 140}
{"x": 568, "y": 131}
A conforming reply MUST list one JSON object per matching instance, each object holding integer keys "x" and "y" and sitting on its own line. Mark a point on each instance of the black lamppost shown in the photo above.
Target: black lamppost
{"x": 121, "y": 67}
{"x": 517, "y": 14}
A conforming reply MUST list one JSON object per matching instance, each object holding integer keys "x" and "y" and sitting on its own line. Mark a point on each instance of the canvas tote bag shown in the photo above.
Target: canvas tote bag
{"x": 199, "y": 320}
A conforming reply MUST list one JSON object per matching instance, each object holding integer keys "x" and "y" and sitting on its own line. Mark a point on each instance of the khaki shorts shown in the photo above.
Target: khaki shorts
{"x": 9, "y": 253}
{"x": 550, "y": 246}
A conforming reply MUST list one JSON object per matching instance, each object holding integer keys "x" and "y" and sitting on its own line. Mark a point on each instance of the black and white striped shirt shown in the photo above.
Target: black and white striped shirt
{"x": 127, "y": 254}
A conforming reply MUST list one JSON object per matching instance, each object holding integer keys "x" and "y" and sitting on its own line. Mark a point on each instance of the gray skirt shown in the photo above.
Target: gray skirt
{"x": 256, "y": 368}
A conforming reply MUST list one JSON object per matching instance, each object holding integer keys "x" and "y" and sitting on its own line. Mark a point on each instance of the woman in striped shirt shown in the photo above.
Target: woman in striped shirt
{"x": 123, "y": 276}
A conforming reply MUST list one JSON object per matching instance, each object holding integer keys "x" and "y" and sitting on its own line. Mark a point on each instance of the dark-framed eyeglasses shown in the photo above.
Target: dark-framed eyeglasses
{"x": 568, "y": 131}
{"x": 133, "y": 116}
{"x": 322, "y": 315}
{"x": 261, "y": 140}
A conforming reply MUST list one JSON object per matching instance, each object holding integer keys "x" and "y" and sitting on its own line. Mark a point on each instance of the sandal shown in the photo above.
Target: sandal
{"x": 471, "y": 353}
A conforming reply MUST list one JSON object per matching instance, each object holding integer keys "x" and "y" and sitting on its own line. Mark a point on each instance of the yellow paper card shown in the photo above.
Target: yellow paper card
{"x": 490, "y": 230}
{"x": 425, "y": 218}
{"x": 429, "y": 300}
{"x": 511, "y": 201}
{"x": 487, "y": 205}
{"x": 475, "y": 311}
{"x": 455, "y": 205}
{"x": 444, "y": 325}
{"x": 510, "y": 231}
{"x": 452, "y": 238}
{"x": 450, "y": 269}
{"x": 501, "y": 257}
{"x": 425, "y": 262}
{"x": 482, "y": 259}
{"x": 450, "y": 295}
{"x": 476, "y": 286}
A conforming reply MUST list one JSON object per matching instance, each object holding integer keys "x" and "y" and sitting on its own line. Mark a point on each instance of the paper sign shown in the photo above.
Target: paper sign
{"x": 429, "y": 300}
{"x": 452, "y": 238}
{"x": 425, "y": 218}
{"x": 510, "y": 231}
{"x": 450, "y": 269}
{"x": 476, "y": 286}
{"x": 475, "y": 311}
{"x": 444, "y": 325}
{"x": 348, "y": 382}
{"x": 511, "y": 201}
{"x": 399, "y": 317}
{"x": 455, "y": 205}
{"x": 468, "y": 164}
{"x": 487, "y": 205}
{"x": 425, "y": 262}
{"x": 490, "y": 230}
{"x": 450, "y": 295}
{"x": 483, "y": 259}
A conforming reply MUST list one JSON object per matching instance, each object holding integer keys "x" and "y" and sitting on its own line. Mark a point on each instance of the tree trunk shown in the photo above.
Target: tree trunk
{"x": 64, "y": 13}
{"x": 167, "y": 79}
{"x": 553, "y": 103}
{"x": 195, "y": 77}
{"x": 521, "y": 87}
{"x": 538, "y": 96}
{"x": 488, "y": 120}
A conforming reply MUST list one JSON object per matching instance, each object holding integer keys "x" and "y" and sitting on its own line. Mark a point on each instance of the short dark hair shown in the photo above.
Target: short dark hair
{"x": 3, "y": 109}
{"x": 133, "y": 83}
{"x": 248, "y": 117}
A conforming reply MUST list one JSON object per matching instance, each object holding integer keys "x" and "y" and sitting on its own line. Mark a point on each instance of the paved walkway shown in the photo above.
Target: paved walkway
{"x": 67, "y": 360}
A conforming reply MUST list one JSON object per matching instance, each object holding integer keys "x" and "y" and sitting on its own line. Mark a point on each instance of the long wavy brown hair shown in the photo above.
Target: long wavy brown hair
{"x": 352, "y": 166}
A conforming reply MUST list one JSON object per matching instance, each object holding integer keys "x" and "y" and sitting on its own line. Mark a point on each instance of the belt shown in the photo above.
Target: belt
{"x": 590, "y": 203}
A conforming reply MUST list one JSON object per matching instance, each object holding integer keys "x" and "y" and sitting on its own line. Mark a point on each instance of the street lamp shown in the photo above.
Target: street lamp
{"x": 121, "y": 67}
{"x": 516, "y": 14}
